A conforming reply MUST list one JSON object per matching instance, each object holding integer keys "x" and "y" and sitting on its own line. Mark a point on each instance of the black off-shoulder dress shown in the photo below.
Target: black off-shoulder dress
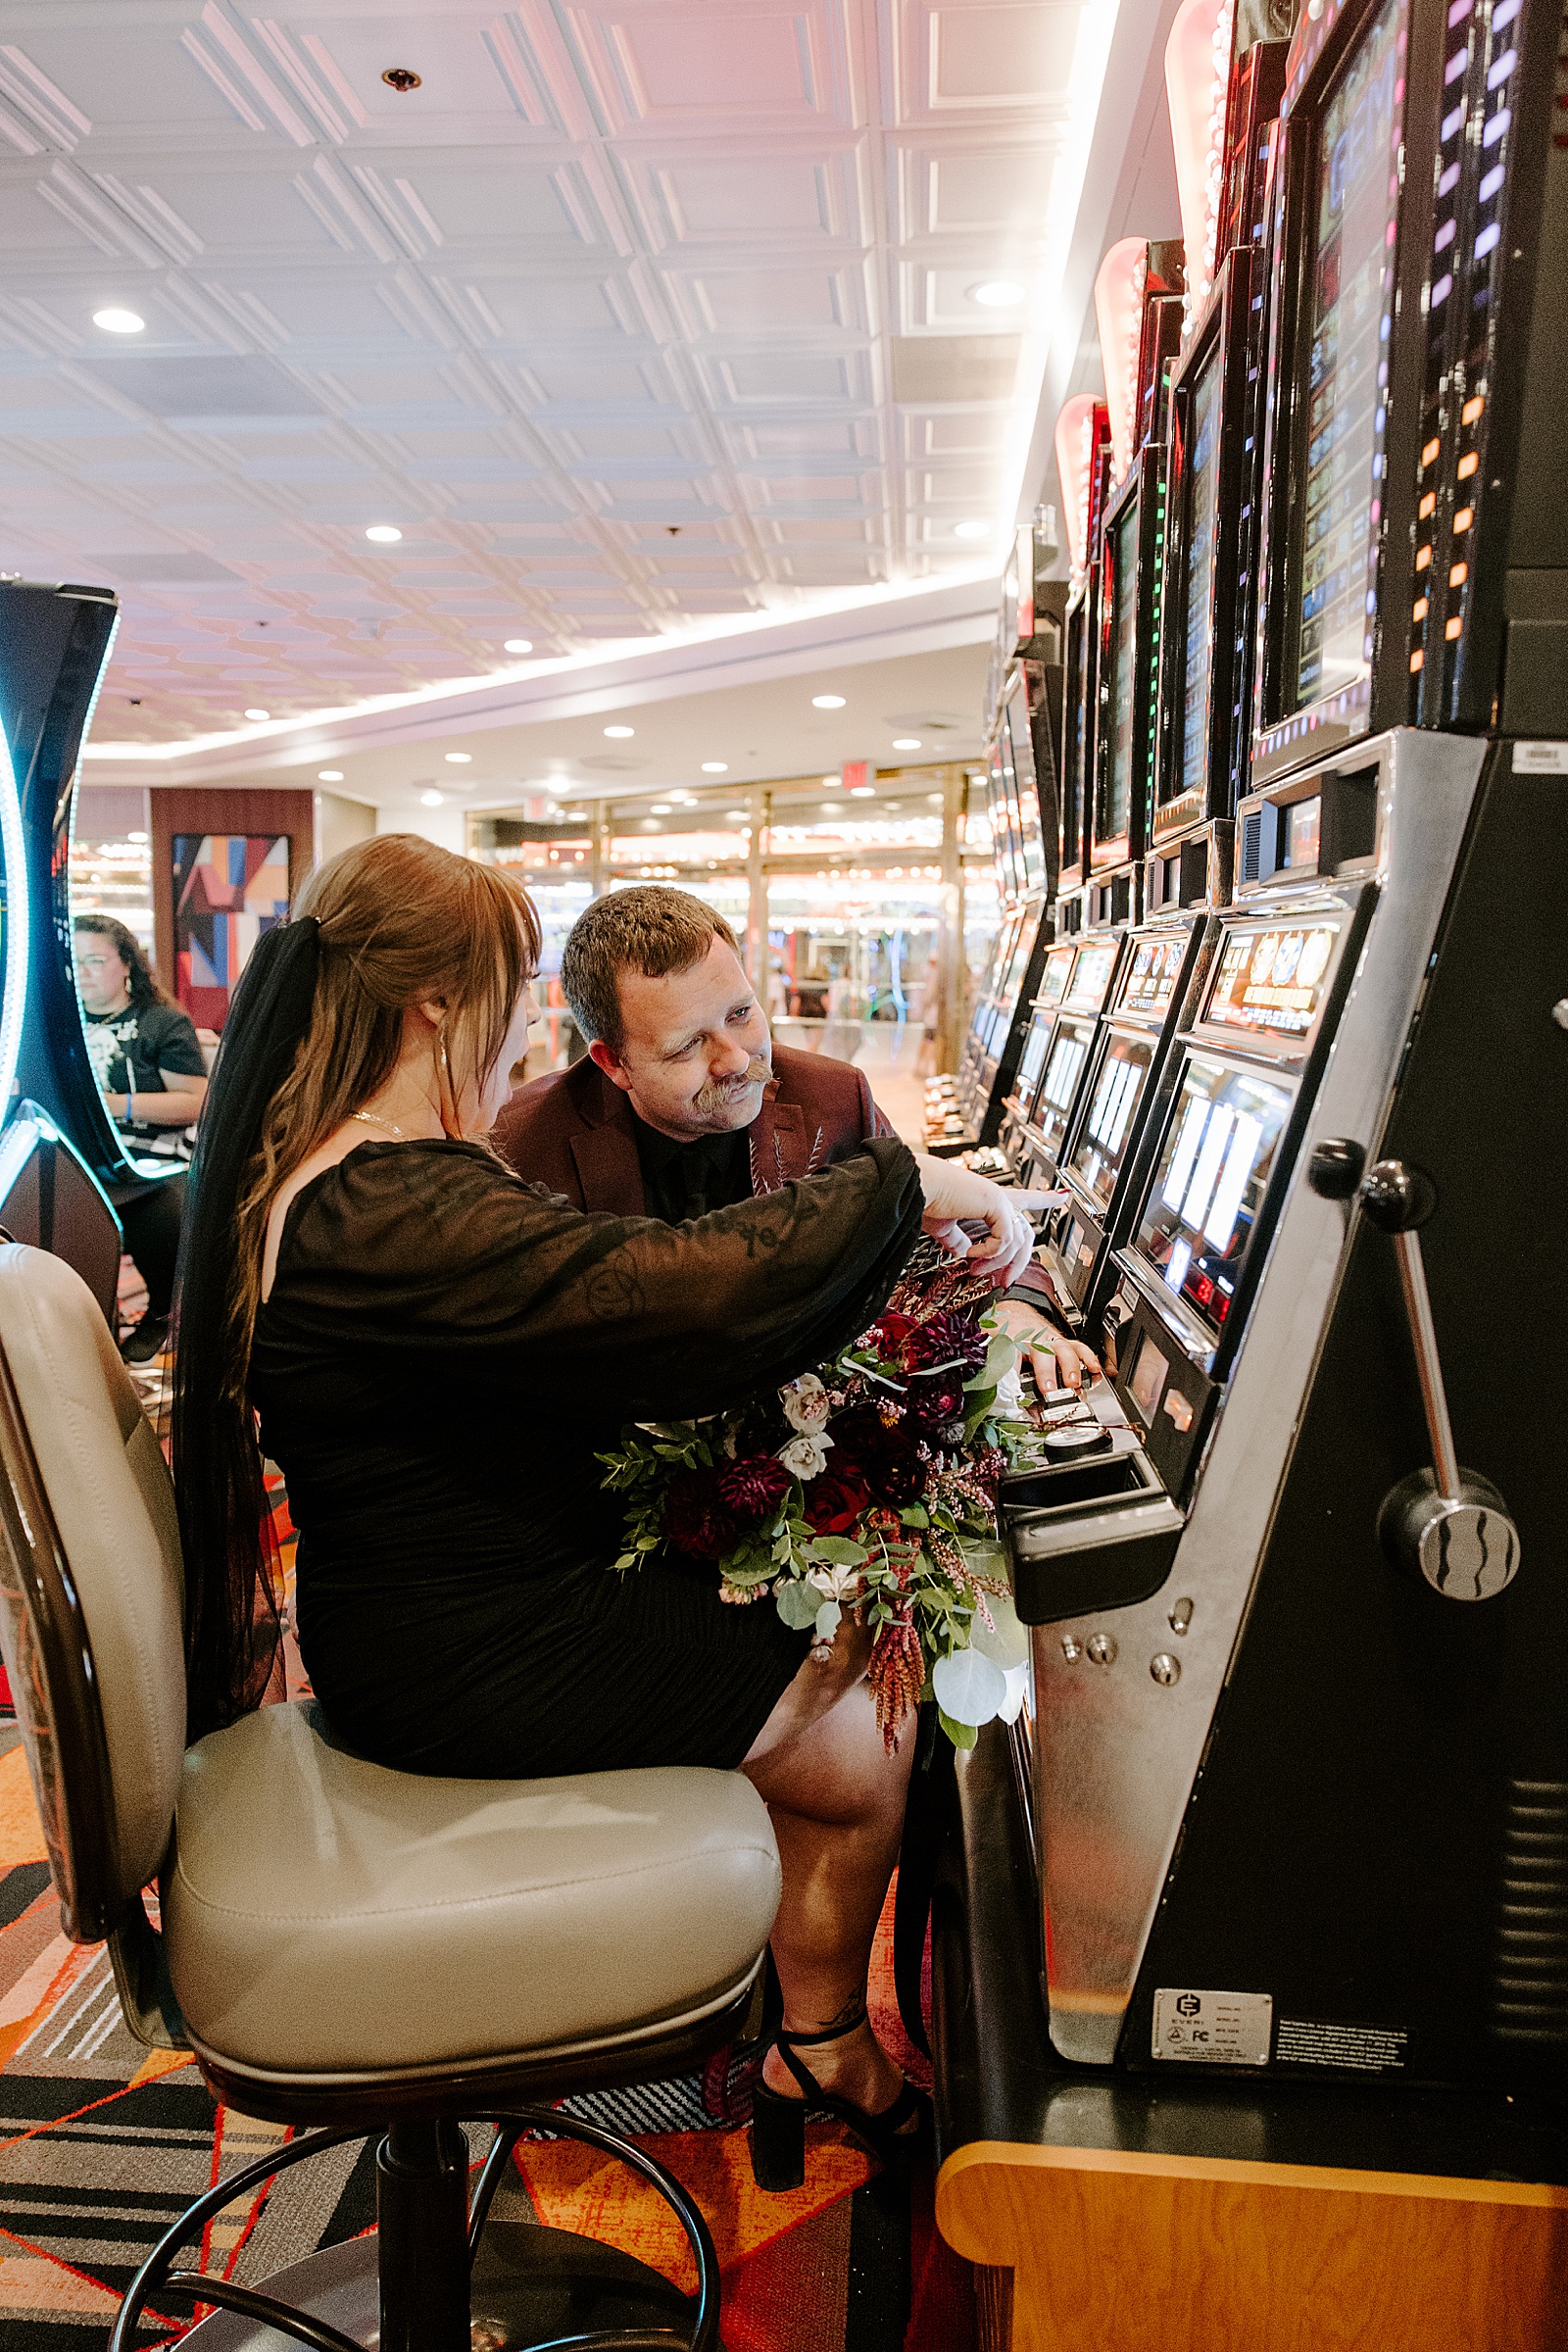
{"x": 443, "y": 1350}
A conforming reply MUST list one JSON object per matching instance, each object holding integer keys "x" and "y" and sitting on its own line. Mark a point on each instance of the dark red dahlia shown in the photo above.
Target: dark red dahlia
{"x": 955, "y": 1339}
{"x": 754, "y": 1489}
{"x": 889, "y": 1458}
{"x": 695, "y": 1519}
{"x": 889, "y": 1332}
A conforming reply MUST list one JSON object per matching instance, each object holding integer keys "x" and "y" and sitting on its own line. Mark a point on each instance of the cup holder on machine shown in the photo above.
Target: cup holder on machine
{"x": 1089, "y": 1535}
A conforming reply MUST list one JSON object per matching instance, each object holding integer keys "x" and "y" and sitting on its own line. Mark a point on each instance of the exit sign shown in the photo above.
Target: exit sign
{"x": 855, "y": 774}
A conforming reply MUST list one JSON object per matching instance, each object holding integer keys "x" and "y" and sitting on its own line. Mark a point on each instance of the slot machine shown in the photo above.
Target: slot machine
{"x": 1214, "y": 499}
{"x": 61, "y": 1156}
{"x": 968, "y": 1115}
{"x": 1299, "y": 1746}
{"x": 1116, "y": 1093}
{"x": 1061, "y": 1036}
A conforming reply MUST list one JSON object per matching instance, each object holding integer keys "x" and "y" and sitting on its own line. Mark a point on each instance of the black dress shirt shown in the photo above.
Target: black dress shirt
{"x": 692, "y": 1180}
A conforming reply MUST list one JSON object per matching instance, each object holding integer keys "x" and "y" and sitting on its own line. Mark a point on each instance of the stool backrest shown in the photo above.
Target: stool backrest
{"x": 90, "y": 1592}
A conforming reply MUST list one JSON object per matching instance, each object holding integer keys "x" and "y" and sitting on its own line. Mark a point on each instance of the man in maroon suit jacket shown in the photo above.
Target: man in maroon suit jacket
{"x": 683, "y": 1102}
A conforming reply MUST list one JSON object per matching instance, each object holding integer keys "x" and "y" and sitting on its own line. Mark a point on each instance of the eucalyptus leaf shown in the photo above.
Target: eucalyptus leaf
{"x": 837, "y": 1552}
{"x": 915, "y": 1514}
{"x": 962, "y": 1735}
{"x": 827, "y": 1620}
{"x": 798, "y": 1605}
{"x": 969, "y": 1686}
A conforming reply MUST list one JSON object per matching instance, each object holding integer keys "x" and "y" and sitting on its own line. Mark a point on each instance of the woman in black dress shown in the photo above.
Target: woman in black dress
{"x": 436, "y": 1350}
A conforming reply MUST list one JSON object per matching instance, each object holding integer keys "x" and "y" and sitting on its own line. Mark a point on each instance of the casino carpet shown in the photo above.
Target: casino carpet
{"x": 101, "y": 2144}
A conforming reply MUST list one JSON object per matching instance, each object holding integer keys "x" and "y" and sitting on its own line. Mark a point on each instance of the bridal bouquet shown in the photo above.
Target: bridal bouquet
{"x": 868, "y": 1487}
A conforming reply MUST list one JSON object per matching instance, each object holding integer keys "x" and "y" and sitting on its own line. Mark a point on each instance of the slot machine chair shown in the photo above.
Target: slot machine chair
{"x": 344, "y": 1946}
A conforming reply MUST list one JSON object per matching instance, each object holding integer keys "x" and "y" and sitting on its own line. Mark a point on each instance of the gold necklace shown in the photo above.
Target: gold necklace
{"x": 368, "y": 1118}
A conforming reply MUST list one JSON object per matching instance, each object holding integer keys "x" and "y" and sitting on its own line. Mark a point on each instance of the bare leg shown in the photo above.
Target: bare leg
{"x": 836, "y": 1798}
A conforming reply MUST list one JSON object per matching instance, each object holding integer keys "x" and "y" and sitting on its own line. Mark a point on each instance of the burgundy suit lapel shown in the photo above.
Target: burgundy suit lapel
{"x": 605, "y": 1152}
{"x": 780, "y": 1147}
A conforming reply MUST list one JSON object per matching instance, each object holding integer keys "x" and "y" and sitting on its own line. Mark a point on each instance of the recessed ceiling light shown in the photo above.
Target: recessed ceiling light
{"x": 432, "y": 800}
{"x": 661, "y": 808}
{"x": 258, "y": 714}
{"x": 620, "y": 734}
{"x": 329, "y": 775}
{"x": 715, "y": 767}
{"x": 827, "y": 701}
{"x": 383, "y": 533}
{"x": 832, "y": 782}
{"x": 997, "y": 294}
{"x": 459, "y": 758}
{"x": 832, "y": 808}
{"x": 906, "y": 743}
{"x": 736, "y": 817}
{"x": 519, "y": 645}
{"x": 119, "y": 322}
{"x": 861, "y": 792}
{"x": 971, "y": 531}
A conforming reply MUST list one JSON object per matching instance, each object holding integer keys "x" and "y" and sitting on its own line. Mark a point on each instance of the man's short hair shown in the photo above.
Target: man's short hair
{"x": 651, "y": 930}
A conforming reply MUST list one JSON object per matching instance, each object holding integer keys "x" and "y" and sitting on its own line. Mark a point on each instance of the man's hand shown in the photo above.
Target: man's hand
{"x": 1056, "y": 1361}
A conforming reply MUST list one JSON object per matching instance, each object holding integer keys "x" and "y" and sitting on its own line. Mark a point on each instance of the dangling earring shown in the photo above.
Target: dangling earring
{"x": 446, "y": 1089}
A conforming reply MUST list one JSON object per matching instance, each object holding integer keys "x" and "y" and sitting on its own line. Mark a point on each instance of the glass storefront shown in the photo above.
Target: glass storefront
{"x": 838, "y": 899}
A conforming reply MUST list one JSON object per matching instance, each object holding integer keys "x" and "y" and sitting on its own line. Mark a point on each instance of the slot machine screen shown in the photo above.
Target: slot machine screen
{"x": 1198, "y": 638}
{"x": 1148, "y": 982}
{"x": 1054, "y": 979}
{"x": 1026, "y": 787}
{"x": 1212, "y": 1174}
{"x": 985, "y": 1002}
{"x": 1355, "y": 209}
{"x": 1074, "y": 735}
{"x": 1004, "y": 831}
{"x": 1012, "y": 980}
{"x": 1092, "y": 974}
{"x": 1116, "y": 790}
{"x": 1033, "y": 1059}
{"x": 1106, "y": 1126}
{"x": 1272, "y": 982}
{"x": 1059, "y": 1084}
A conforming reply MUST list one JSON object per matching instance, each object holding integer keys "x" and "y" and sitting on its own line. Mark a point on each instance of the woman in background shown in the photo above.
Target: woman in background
{"x": 153, "y": 1077}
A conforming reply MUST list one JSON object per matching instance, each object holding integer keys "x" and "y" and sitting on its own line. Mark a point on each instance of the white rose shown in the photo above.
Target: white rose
{"x": 805, "y": 1405}
{"x": 1009, "y": 1393}
{"x": 803, "y": 1457}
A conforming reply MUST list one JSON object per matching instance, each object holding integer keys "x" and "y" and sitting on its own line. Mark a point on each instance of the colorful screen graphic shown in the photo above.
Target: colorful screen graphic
{"x": 1153, "y": 971}
{"x": 1357, "y": 192}
{"x": 1202, "y": 477}
{"x": 228, "y": 888}
{"x": 1272, "y": 980}
{"x": 1116, "y": 807}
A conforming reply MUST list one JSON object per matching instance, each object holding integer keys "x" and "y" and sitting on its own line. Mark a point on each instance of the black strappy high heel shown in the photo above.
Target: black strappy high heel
{"x": 778, "y": 2124}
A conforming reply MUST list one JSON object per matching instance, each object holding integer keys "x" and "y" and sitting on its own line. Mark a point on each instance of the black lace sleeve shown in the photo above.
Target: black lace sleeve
{"x": 438, "y": 1250}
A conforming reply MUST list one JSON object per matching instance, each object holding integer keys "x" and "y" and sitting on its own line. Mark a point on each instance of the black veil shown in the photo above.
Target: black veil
{"x": 231, "y": 1619}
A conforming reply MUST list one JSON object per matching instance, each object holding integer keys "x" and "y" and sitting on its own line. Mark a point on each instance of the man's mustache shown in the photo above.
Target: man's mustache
{"x": 758, "y": 1072}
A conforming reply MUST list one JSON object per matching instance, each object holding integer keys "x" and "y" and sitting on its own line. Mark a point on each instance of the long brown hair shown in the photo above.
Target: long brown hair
{"x": 315, "y": 1031}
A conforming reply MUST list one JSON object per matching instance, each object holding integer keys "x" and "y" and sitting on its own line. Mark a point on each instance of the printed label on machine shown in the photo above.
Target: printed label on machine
{"x": 1214, "y": 2028}
{"x": 1540, "y": 758}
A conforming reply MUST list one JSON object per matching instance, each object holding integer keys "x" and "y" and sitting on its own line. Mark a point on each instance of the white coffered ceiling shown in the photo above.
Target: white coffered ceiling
{"x": 636, "y": 318}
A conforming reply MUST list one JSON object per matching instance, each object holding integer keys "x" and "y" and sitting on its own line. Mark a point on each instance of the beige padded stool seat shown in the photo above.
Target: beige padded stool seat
{"x": 342, "y": 1944}
{"x": 326, "y": 1917}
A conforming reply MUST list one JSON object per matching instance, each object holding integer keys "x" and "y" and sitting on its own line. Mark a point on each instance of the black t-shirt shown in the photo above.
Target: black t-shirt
{"x": 129, "y": 1049}
{"x": 692, "y": 1180}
